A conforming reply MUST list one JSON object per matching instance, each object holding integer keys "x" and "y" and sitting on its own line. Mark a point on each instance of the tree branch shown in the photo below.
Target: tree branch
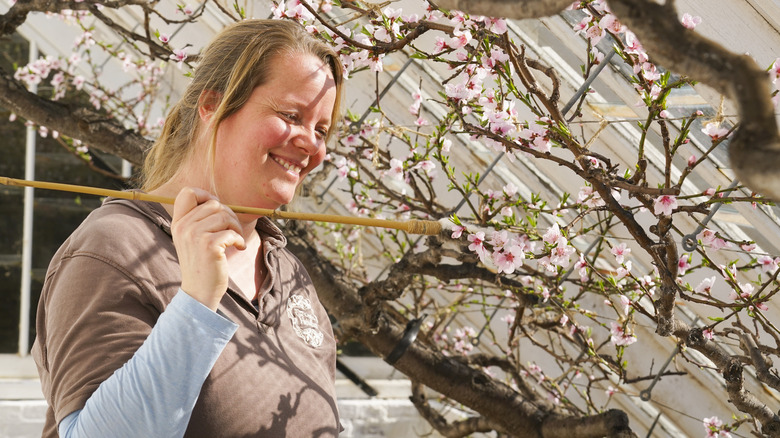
{"x": 94, "y": 129}
{"x": 506, "y": 8}
{"x": 754, "y": 148}
{"x": 17, "y": 14}
{"x": 456, "y": 429}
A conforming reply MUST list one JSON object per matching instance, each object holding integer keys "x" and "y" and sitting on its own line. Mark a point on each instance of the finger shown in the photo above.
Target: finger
{"x": 212, "y": 216}
{"x": 216, "y": 222}
{"x": 189, "y": 198}
{"x": 229, "y": 238}
{"x": 197, "y": 209}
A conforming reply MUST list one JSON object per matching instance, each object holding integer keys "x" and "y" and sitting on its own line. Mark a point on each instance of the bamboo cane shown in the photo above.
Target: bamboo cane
{"x": 413, "y": 226}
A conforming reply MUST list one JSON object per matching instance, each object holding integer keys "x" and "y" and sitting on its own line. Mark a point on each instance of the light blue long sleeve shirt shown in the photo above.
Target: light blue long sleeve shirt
{"x": 154, "y": 393}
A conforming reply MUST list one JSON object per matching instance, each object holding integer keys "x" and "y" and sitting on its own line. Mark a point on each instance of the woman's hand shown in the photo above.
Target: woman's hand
{"x": 203, "y": 229}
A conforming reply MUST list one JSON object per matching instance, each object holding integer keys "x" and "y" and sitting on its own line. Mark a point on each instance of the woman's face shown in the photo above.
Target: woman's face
{"x": 266, "y": 148}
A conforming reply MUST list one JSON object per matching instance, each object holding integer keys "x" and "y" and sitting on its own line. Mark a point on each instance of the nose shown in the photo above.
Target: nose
{"x": 307, "y": 140}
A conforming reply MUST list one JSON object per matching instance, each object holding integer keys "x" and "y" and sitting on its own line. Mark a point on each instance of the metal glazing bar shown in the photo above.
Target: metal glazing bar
{"x": 355, "y": 126}
{"x": 585, "y": 85}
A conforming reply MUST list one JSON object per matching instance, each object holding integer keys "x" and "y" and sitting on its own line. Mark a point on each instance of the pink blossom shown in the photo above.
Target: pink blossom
{"x": 705, "y": 286}
{"x": 762, "y": 306}
{"x": 414, "y": 108}
{"x": 457, "y": 231}
{"x": 665, "y": 204}
{"x": 706, "y": 236}
{"x": 391, "y": 13}
{"x": 179, "y": 55}
{"x": 655, "y": 92}
{"x": 768, "y": 264}
{"x": 595, "y": 33}
{"x": 619, "y": 337}
{"x": 620, "y": 251}
{"x": 439, "y": 45}
{"x": 541, "y": 144}
{"x": 509, "y": 259}
{"x": 498, "y": 239}
{"x": 396, "y": 169}
{"x": 775, "y": 70}
{"x": 746, "y": 291}
{"x": 12, "y": 117}
{"x": 596, "y": 55}
{"x": 561, "y": 254}
{"x": 351, "y": 140}
{"x": 690, "y": 21}
{"x": 426, "y": 165}
{"x": 375, "y": 63}
{"x": 691, "y": 160}
{"x": 626, "y": 303}
{"x": 583, "y": 24}
{"x": 609, "y": 22}
{"x": 589, "y": 197}
{"x": 707, "y": 333}
{"x": 712, "y": 422}
{"x": 497, "y": 56}
{"x": 78, "y": 82}
{"x": 664, "y": 114}
{"x": 714, "y": 130}
{"x": 554, "y": 235}
{"x": 719, "y": 243}
{"x": 510, "y": 190}
{"x": 460, "y": 39}
{"x": 715, "y": 428}
{"x": 709, "y": 192}
{"x": 497, "y": 25}
{"x": 610, "y": 391}
{"x": 164, "y": 38}
{"x": 634, "y": 47}
{"x": 748, "y": 246}
{"x": 477, "y": 243}
{"x": 623, "y": 271}
{"x": 593, "y": 162}
{"x": 683, "y": 265}
{"x": 582, "y": 268}
{"x": 507, "y": 211}
{"x": 58, "y": 79}
{"x": 412, "y": 18}
{"x": 564, "y": 319}
{"x": 457, "y": 91}
{"x": 545, "y": 264}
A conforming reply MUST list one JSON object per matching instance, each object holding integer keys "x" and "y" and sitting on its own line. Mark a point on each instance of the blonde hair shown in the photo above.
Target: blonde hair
{"x": 232, "y": 65}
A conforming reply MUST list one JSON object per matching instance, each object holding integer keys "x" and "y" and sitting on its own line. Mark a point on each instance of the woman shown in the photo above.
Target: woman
{"x": 190, "y": 320}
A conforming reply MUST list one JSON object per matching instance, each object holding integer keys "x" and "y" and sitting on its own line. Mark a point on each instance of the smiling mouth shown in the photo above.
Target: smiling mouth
{"x": 288, "y": 165}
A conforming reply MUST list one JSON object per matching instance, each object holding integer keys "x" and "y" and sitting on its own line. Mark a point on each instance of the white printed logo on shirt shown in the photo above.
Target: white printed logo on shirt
{"x": 304, "y": 320}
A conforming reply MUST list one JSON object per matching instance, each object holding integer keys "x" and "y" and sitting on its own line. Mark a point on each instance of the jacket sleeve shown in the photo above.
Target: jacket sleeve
{"x": 153, "y": 394}
{"x": 94, "y": 317}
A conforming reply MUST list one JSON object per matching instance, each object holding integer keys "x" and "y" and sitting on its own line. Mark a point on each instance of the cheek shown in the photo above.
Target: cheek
{"x": 274, "y": 131}
{"x": 318, "y": 158}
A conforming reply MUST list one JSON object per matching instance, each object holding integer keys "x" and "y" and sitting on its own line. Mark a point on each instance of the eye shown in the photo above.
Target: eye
{"x": 322, "y": 132}
{"x": 291, "y": 117}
